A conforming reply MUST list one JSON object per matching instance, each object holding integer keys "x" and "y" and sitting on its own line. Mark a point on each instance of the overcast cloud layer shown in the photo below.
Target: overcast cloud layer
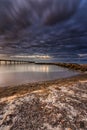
{"x": 27, "y": 12}
{"x": 65, "y": 41}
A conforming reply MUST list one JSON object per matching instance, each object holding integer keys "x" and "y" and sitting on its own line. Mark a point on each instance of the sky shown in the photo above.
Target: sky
{"x": 44, "y": 28}
{"x": 36, "y": 11}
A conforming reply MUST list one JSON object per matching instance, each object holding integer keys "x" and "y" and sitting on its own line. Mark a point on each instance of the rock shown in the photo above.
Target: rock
{"x": 82, "y": 125}
{"x": 68, "y": 129}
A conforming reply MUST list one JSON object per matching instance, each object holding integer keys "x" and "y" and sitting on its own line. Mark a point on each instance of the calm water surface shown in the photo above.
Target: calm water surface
{"x": 21, "y": 74}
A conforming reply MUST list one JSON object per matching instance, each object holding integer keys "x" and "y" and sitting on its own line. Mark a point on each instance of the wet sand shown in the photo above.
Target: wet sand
{"x": 51, "y": 105}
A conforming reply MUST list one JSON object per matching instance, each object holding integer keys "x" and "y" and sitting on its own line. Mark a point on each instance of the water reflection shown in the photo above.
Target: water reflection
{"x": 24, "y": 68}
{"x": 19, "y": 74}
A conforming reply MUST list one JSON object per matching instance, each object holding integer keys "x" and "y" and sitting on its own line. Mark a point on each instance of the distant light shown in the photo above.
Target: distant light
{"x": 33, "y": 56}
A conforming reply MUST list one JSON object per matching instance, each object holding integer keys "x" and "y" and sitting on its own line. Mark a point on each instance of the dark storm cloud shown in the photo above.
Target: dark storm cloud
{"x": 26, "y": 12}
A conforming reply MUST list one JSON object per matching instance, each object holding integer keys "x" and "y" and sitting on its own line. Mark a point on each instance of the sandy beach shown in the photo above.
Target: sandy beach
{"x": 51, "y": 105}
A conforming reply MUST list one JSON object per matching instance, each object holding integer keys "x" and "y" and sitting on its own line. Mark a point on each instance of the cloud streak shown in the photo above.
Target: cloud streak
{"x": 27, "y": 12}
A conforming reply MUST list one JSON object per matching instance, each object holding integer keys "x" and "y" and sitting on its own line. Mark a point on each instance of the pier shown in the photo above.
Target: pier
{"x": 14, "y": 61}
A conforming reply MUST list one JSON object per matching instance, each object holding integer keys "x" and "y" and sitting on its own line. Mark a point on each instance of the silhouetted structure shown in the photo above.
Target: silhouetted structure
{"x": 18, "y": 61}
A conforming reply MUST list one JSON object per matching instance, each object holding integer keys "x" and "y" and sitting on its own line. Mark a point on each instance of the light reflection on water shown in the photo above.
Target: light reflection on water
{"x": 25, "y": 73}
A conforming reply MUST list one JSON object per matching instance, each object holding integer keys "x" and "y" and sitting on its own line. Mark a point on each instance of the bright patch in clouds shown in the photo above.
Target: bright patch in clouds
{"x": 32, "y": 56}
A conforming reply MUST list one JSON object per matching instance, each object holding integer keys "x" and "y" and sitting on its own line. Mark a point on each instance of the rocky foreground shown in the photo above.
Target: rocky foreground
{"x": 60, "y": 106}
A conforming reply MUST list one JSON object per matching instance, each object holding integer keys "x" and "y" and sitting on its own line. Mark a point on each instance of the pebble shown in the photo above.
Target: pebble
{"x": 68, "y": 129}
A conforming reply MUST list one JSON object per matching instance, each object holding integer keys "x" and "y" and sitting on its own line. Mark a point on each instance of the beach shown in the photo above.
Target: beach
{"x": 43, "y": 65}
{"x": 51, "y": 105}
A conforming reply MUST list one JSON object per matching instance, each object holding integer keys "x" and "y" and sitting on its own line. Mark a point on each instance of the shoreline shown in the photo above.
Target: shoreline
{"x": 24, "y": 88}
{"x": 71, "y": 66}
{"x": 30, "y": 87}
{"x": 51, "y": 105}
{"x": 59, "y": 105}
